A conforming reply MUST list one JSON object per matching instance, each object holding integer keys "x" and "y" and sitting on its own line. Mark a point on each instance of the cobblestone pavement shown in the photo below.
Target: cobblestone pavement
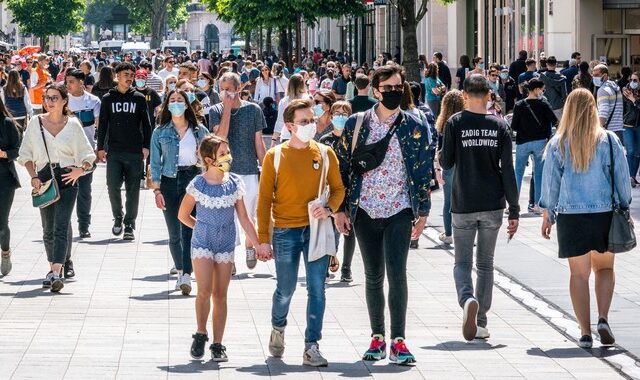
{"x": 120, "y": 317}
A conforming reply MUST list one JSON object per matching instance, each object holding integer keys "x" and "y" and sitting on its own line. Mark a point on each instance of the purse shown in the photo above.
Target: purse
{"x": 322, "y": 239}
{"x": 48, "y": 193}
{"x": 622, "y": 237}
{"x": 369, "y": 157}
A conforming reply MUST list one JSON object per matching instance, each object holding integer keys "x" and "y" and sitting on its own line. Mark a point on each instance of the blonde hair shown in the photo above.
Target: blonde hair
{"x": 453, "y": 102}
{"x": 580, "y": 126}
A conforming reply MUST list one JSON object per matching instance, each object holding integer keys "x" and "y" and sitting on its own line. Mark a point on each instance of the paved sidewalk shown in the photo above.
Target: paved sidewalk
{"x": 120, "y": 317}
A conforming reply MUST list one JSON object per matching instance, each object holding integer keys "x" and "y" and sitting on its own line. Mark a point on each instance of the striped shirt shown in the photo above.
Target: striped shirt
{"x": 610, "y": 96}
{"x": 154, "y": 81}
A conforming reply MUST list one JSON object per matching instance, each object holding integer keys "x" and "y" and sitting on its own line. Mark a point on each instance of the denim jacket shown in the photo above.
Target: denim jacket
{"x": 165, "y": 147}
{"x": 565, "y": 191}
{"x": 413, "y": 137}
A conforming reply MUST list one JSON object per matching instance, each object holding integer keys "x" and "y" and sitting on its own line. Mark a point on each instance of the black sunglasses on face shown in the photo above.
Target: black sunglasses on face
{"x": 389, "y": 87}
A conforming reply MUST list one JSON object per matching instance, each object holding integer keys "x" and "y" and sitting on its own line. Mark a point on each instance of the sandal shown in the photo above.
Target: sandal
{"x": 334, "y": 264}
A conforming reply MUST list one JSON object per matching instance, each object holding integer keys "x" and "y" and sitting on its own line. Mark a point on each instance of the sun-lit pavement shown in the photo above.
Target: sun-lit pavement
{"x": 120, "y": 318}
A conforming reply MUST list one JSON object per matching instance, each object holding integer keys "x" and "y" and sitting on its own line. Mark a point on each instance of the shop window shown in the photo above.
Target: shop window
{"x": 613, "y": 21}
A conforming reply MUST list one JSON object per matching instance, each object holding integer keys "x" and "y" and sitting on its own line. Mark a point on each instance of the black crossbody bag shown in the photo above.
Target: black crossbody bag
{"x": 622, "y": 237}
{"x": 368, "y": 157}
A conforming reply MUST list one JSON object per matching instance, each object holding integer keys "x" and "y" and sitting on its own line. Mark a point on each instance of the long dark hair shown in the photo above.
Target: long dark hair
{"x": 106, "y": 78}
{"x": 14, "y": 88}
{"x": 64, "y": 94}
{"x": 5, "y": 114}
{"x": 189, "y": 113}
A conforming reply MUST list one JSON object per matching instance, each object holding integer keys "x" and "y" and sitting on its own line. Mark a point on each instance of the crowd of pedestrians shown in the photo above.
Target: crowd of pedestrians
{"x": 300, "y": 158}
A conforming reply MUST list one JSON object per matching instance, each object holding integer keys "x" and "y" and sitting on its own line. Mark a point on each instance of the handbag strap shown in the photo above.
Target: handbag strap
{"x": 356, "y": 131}
{"x": 615, "y": 103}
{"x": 325, "y": 168}
{"x": 533, "y": 113}
{"x": 44, "y": 140}
{"x": 611, "y": 171}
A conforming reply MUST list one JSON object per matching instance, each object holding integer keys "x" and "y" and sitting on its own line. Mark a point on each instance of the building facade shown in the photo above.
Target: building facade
{"x": 205, "y": 31}
{"x": 605, "y": 30}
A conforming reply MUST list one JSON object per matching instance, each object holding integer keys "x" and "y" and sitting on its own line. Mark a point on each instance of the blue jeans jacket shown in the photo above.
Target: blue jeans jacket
{"x": 566, "y": 191}
{"x": 165, "y": 147}
{"x": 413, "y": 137}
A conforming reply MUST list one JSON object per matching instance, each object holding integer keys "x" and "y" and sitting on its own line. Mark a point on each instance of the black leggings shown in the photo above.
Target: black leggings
{"x": 6, "y": 200}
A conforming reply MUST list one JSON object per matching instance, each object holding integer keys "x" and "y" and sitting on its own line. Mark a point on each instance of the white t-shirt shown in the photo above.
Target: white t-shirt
{"x": 164, "y": 73}
{"x": 187, "y": 155}
{"x": 87, "y": 108}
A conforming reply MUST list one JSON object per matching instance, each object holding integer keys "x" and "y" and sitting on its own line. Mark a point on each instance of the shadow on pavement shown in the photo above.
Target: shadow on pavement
{"x": 157, "y": 242}
{"x": 194, "y": 366}
{"x": 155, "y": 278}
{"x": 454, "y": 345}
{"x": 37, "y": 281}
{"x": 341, "y": 285}
{"x": 276, "y": 367}
{"x": 249, "y": 276}
{"x": 113, "y": 240}
{"x": 163, "y": 295}
{"x": 33, "y": 293}
{"x": 575, "y": 352}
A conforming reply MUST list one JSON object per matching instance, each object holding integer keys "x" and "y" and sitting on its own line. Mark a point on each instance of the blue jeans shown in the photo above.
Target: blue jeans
{"x": 289, "y": 244}
{"x": 523, "y": 151}
{"x": 632, "y": 145}
{"x": 173, "y": 190}
{"x": 83, "y": 204}
{"x": 447, "y": 175}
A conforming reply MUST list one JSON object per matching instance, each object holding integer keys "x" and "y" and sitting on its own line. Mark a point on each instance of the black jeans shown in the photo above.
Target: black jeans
{"x": 56, "y": 226}
{"x": 384, "y": 243}
{"x": 127, "y": 168}
{"x": 173, "y": 190}
{"x": 348, "y": 249}
{"x": 6, "y": 200}
{"x": 83, "y": 208}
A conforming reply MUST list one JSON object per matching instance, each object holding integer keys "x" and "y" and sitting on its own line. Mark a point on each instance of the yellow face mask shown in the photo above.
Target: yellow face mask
{"x": 224, "y": 163}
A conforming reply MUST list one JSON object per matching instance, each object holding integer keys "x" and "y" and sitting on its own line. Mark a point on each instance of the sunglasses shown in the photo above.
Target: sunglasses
{"x": 633, "y": 80}
{"x": 390, "y": 87}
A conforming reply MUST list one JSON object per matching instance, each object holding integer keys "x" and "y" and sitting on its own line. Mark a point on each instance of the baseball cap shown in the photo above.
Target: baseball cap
{"x": 141, "y": 73}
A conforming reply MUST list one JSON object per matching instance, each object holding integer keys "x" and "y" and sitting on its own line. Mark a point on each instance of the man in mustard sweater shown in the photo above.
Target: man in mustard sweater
{"x": 286, "y": 198}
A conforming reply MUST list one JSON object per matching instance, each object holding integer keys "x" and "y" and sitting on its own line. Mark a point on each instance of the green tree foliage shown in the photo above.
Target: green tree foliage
{"x": 43, "y": 18}
{"x": 98, "y": 12}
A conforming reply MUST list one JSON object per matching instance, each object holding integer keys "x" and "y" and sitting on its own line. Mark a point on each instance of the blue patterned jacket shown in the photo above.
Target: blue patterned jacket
{"x": 413, "y": 138}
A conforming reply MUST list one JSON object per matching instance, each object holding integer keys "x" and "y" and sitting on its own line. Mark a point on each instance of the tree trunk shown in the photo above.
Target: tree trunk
{"x": 157, "y": 29}
{"x": 284, "y": 45}
{"x": 260, "y": 42}
{"x": 290, "y": 48}
{"x": 247, "y": 43}
{"x": 44, "y": 42}
{"x": 269, "y": 47}
{"x": 408, "y": 21}
{"x": 299, "y": 40}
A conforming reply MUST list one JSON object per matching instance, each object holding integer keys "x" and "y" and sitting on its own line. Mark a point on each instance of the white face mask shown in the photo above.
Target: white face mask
{"x": 306, "y": 132}
{"x": 489, "y": 104}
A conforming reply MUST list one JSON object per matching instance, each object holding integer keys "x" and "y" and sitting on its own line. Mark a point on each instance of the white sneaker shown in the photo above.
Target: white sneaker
{"x": 313, "y": 357}
{"x": 185, "y": 284}
{"x": 5, "y": 266}
{"x": 173, "y": 270}
{"x": 251, "y": 258}
{"x": 445, "y": 239}
{"x": 469, "y": 315}
{"x": 537, "y": 210}
{"x": 482, "y": 333}
{"x": 178, "y": 283}
{"x": 276, "y": 343}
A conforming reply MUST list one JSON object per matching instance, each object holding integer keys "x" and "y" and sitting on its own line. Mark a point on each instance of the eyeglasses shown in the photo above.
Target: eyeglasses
{"x": 493, "y": 75}
{"x": 633, "y": 80}
{"x": 392, "y": 87}
{"x": 340, "y": 114}
{"x": 52, "y": 99}
{"x": 171, "y": 62}
{"x": 318, "y": 101}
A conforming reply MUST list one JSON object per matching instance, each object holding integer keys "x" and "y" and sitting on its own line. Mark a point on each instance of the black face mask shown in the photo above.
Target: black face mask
{"x": 391, "y": 99}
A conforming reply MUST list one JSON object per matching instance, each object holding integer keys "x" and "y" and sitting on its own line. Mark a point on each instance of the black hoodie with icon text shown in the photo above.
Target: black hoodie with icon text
{"x": 124, "y": 122}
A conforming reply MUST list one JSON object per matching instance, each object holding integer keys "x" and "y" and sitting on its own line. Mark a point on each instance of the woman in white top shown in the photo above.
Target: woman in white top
{"x": 174, "y": 146}
{"x": 296, "y": 89}
{"x": 265, "y": 86}
{"x": 280, "y": 79}
{"x": 56, "y": 142}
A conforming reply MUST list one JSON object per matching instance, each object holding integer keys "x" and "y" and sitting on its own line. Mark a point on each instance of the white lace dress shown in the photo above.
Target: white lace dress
{"x": 214, "y": 236}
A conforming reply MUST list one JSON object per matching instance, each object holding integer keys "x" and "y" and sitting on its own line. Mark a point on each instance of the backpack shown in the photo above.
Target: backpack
{"x": 270, "y": 116}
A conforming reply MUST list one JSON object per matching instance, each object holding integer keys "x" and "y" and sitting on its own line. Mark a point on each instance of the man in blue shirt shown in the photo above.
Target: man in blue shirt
{"x": 525, "y": 77}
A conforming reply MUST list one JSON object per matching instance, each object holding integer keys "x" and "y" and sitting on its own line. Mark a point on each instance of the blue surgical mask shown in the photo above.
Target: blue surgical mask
{"x": 140, "y": 83}
{"x": 177, "y": 108}
{"x": 481, "y": 66}
{"x": 633, "y": 85}
{"x": 597, "y": 81}
{"x": 191, "y": 96}
{"x": 504, "y": 76}
{"x": 317, "y": 110}
{"x": 201, "y": 83}
{"x": 339, "y": 121}
{"x": 172, "y": 86}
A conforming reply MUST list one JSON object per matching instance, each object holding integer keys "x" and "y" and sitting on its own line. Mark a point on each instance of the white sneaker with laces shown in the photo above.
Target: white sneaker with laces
{"x": 445, "y": 239}
{"x": 185, "y": 285}
{"x": 5, "y": 265}
{"x": 173, "y": 270}
{"x": 482, "y": 333}
{"x": 276, "y": 343}
{"x": 313, "y": 357}
{"x": 251, "y": 258}
{"x": 469, "y": 315}
{"x": 178, "y": 282}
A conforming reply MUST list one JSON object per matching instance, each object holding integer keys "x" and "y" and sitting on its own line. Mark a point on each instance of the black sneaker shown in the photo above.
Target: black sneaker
{"x": 218, "y": 353}
{"x": 413, "y": 244}
{"x": 68, "y": 269}
{"x": 116, "y": 230}
{"x": 56, "y": 283}
{"x": 585, "y": 341}
{"x": 46, "y": 283}
{"x": 128, "y": 233}
{"x": 197, "y": 347}
{"x": 606, "y": 336}
{"x": 84, "y": 233}
{"x": 346, "y": 275}
{"x": 531, "y": 207}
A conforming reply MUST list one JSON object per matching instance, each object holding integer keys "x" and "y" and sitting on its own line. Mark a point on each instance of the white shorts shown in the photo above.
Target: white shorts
{"x": 250, "y": 199}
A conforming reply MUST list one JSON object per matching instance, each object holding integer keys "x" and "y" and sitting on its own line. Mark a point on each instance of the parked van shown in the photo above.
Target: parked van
{"x": 134, "y": 47}
{"x": 110, "y": 45}
{"x": 176, "y": 46}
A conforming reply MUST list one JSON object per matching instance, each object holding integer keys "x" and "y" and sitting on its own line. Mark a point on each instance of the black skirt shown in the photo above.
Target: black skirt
{"x": 581, "y": 233}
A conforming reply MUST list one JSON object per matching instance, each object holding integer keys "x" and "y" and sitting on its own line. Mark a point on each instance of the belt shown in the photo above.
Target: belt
{"x": 185, "y": 168}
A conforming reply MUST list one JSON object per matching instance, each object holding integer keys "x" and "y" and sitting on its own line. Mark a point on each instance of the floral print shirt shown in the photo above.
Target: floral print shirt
{"x": 385, "y": 189}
